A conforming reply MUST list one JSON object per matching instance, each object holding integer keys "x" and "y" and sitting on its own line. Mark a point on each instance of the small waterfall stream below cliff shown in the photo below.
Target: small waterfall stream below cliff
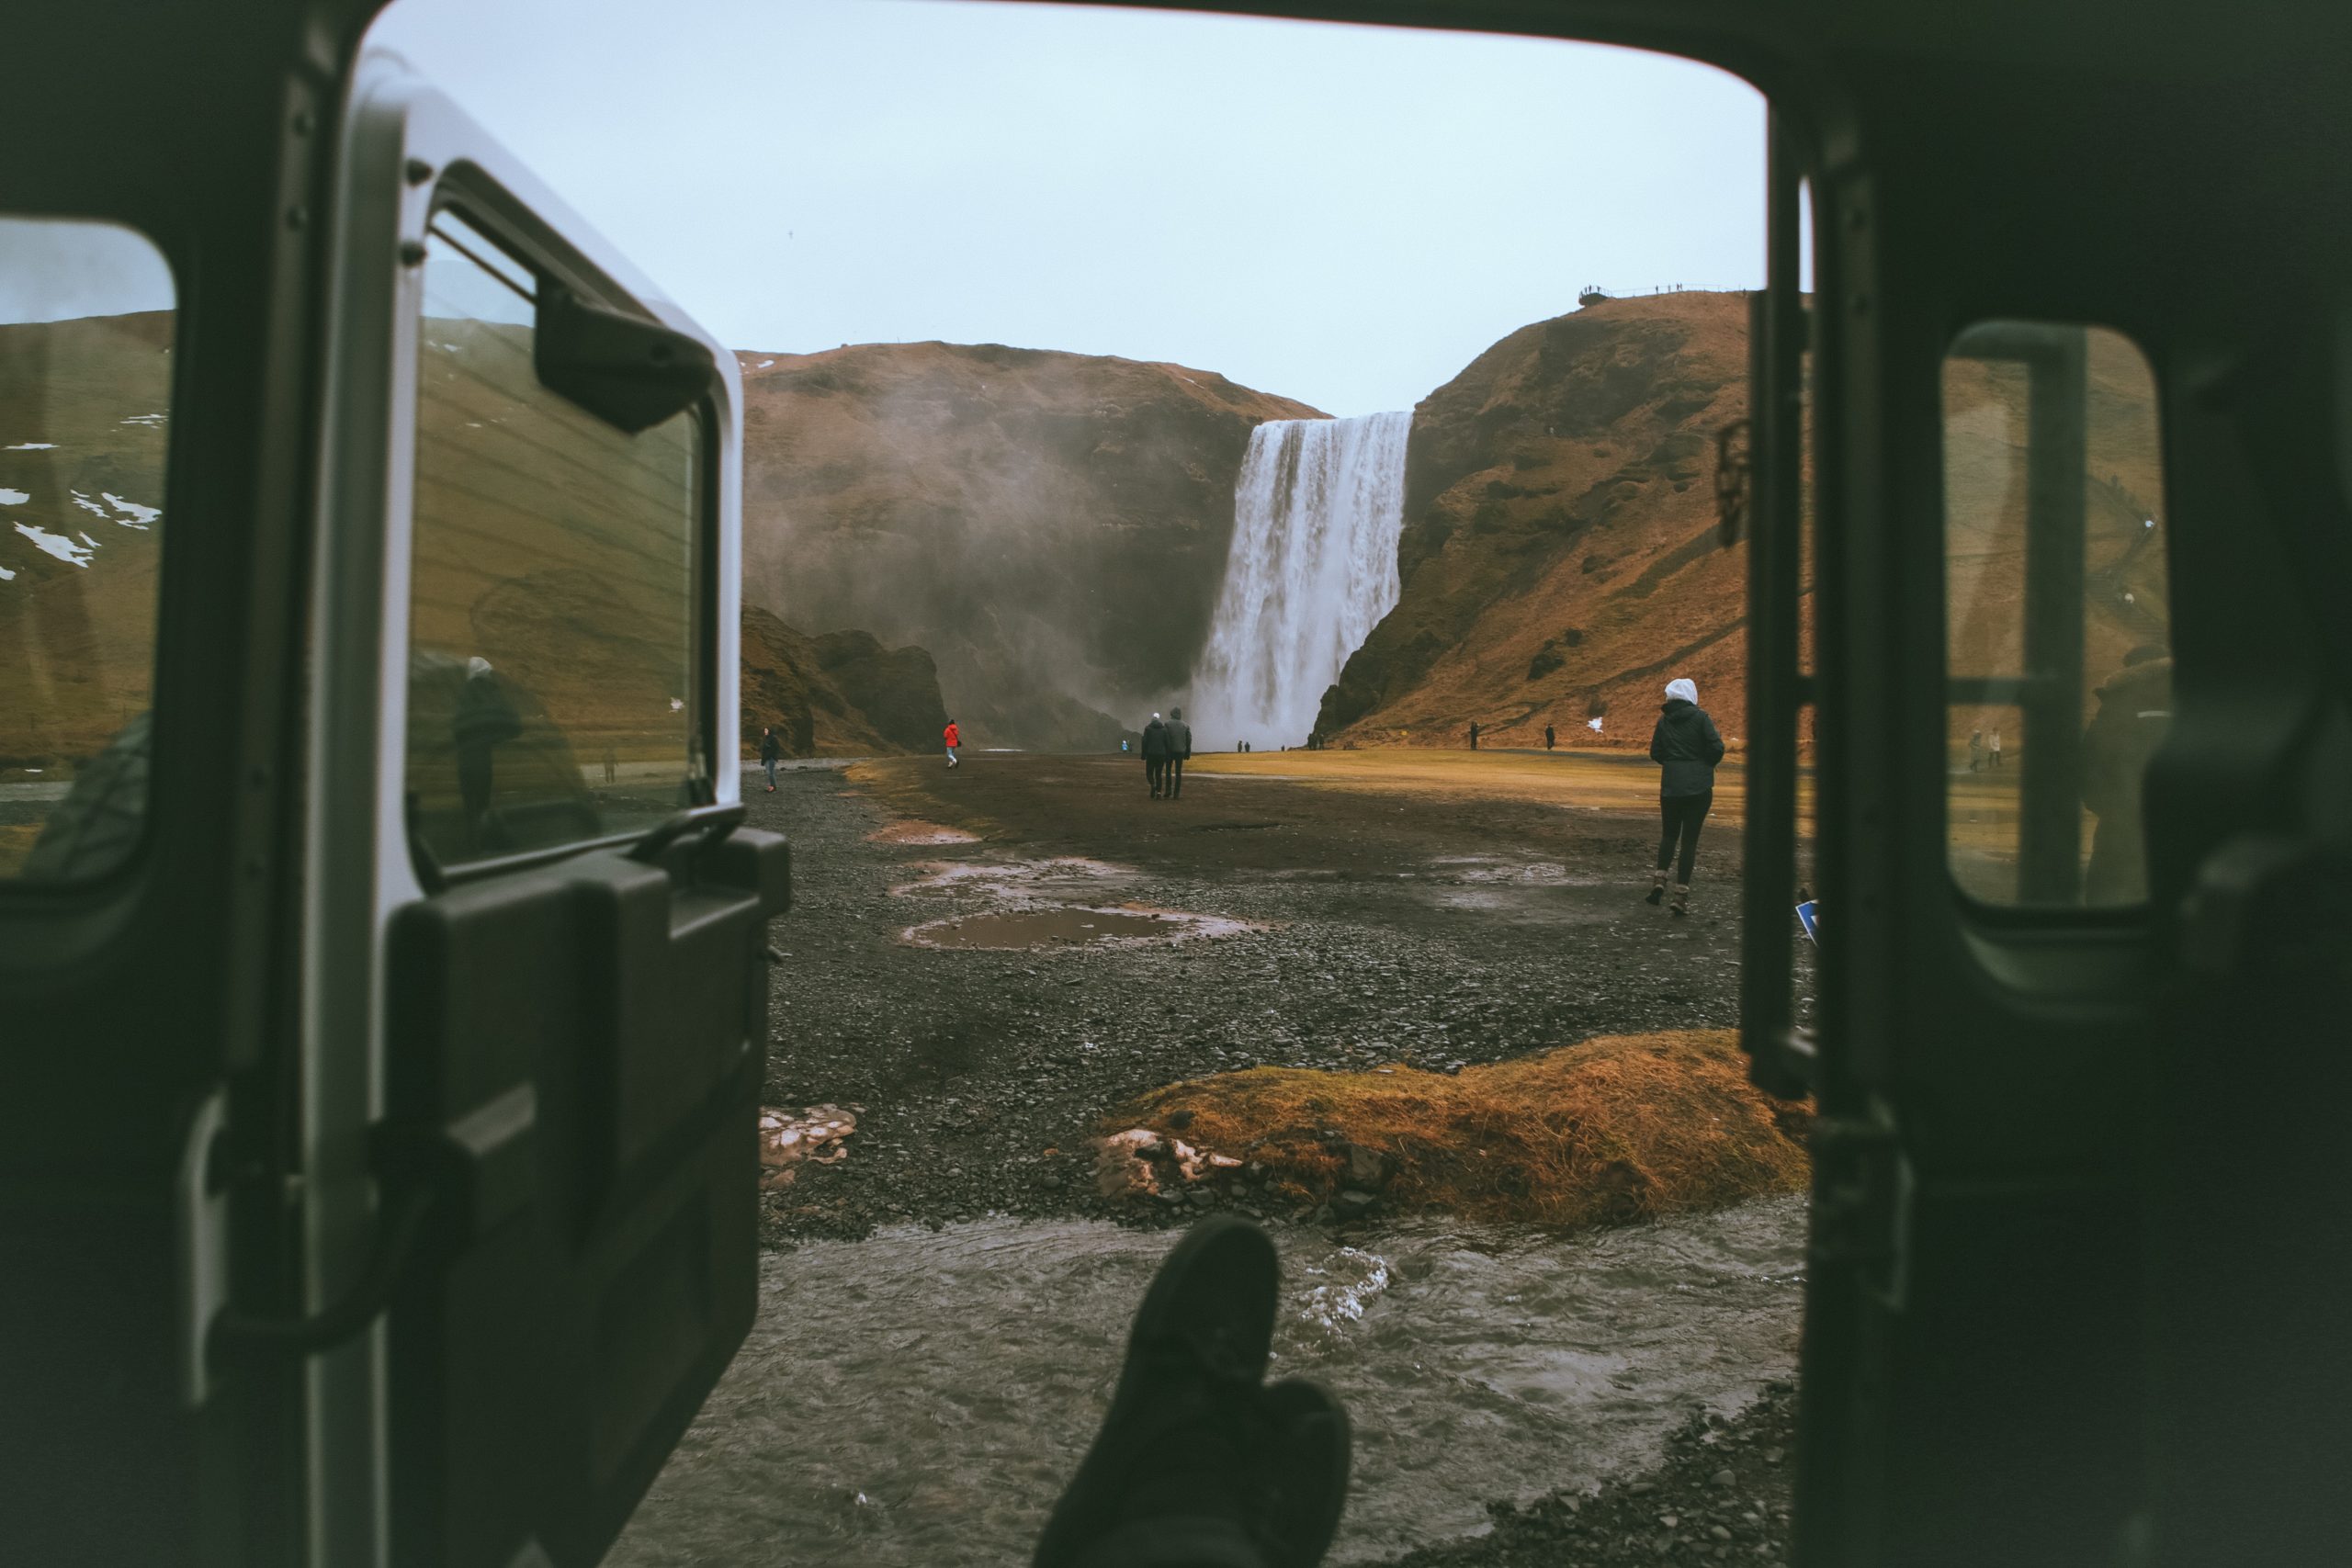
{"x": 1316, "y": 514}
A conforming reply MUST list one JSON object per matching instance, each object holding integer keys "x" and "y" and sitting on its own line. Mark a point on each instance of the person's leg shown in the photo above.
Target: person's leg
{"x": 1175, "y": 777}
{"x": 1199, "y": 1463}
{"x": 1694, "y": 812}
{"x": 1667, "y": 823}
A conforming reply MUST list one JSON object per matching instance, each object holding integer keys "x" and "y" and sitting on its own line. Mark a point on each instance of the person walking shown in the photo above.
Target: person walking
{"x": 1154, "y": 754}
{"x": 1996, "y": 748}
{"x": 770, "y": 749}
{"x": 1975, "y": 750}
{"x": 1686, "y": 748}
{"x": 1180, "y": 750}
{"x": 954, "y": 738}
{"x": 1474, "y": 735}
{"x": 1549, "y": 735}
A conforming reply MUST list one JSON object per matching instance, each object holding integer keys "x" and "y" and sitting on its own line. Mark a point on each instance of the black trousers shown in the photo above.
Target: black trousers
{"x": 1679, "y": 816}
{"x": 1153, "y": 768}
{"x": 1175, "y": 775}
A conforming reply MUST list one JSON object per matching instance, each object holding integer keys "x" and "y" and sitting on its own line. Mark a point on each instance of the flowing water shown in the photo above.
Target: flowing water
{"x": 1316, "y": 514}
{"x": 919, "y": 1397}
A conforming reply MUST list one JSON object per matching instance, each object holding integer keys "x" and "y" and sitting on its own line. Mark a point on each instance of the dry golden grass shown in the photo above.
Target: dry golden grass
{"x": 1620, "y": 1128}
{"x": 1567, "y": 779}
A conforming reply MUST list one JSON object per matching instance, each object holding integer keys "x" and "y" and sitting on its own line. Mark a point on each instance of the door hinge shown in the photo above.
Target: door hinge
{"x": 1862, "y": 1200}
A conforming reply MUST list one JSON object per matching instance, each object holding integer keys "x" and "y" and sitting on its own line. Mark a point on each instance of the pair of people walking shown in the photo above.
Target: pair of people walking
{"x": 1167, "y": 747}
{"x": 1686, "y": 747}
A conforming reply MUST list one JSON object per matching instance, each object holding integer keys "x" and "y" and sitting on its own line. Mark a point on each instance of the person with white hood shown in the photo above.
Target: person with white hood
{"x": 1686, "y": 748}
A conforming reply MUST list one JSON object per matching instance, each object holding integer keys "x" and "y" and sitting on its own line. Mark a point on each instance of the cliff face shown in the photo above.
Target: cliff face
{"x": 839, "y": 694}
{"x": 1560, "y": 558}
{"x": 1052, "y": 526}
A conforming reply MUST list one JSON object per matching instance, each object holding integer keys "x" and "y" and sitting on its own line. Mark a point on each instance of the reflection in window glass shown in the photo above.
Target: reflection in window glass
{"x": 552, "y": 694}
{"x": 2058, "y": 618}
{"x": 87, "y": 316}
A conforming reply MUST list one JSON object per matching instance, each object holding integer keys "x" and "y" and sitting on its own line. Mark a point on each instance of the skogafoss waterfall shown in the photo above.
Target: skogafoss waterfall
{"x": 1316, "y": 517}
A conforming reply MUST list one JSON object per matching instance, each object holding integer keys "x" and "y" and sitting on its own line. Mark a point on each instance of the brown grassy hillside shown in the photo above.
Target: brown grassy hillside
{"x": 1560, "y": 554}
{"x": 1052, "y": 526}
{"x": 81, "y": 437}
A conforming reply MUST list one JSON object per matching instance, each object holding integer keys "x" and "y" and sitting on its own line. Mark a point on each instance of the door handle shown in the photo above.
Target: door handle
{"x": 2261, "y": 901}
{"x": 449, "y": 1185}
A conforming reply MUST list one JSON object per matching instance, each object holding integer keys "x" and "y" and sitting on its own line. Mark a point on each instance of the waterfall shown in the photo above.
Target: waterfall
{"x": 1316, "y": 517}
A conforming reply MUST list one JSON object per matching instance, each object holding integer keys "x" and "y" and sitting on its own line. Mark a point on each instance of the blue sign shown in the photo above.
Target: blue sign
{"x": 1809, "y": 917}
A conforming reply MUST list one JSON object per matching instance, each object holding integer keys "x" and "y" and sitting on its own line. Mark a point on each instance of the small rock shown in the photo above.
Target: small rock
{"x": 1719, "y": 1532}
{"x": 1179, "y": 1120}
{"x": 1353, "y": 1204}
{"x": 1170, "y": 1199}
{"x": 1720, "y": 1478}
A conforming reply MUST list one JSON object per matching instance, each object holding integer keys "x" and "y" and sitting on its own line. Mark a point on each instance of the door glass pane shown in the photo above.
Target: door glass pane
{"x": 86, "y": 317}
{"x": 2057, "y": 614}
{"x": 553, "y": 691}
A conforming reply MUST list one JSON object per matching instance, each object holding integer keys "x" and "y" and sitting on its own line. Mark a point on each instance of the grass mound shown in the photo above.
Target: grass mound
{"x": 1620, "y": 1128}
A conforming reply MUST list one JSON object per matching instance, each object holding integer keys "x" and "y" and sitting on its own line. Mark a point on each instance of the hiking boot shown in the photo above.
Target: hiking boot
{"x": 1197, "y": 1463}
{"x": 1658, "y": 888}
{"x": 1681, "y": 905}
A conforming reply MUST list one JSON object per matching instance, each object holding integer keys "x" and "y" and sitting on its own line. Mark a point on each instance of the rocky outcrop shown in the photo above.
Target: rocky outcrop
{"x": 1052, "y": 526}
{"x": 839, "y": 694}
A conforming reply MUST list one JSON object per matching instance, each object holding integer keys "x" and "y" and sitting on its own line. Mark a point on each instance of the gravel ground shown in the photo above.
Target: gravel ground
{"x": 1435, "y": 933}
{"x": 1720, "y": 1495}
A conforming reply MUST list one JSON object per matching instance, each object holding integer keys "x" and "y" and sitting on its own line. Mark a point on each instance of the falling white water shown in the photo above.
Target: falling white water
{"x": 1316, "y": 518}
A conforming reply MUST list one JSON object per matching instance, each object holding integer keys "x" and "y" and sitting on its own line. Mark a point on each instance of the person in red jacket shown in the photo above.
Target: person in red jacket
{"x": 954, "y": 740}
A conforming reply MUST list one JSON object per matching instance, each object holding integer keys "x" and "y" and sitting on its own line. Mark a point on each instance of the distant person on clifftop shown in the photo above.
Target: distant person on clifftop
{"x": 954, "y": 738}
{"x": 770, "y": 749}
{"x": 1155, "y": 754}
{"x": 1549, "y": 737}
{"x": 1474, "y": 735}
{"x": 1686, "y": 748}
{"x": 1180, "y": 750}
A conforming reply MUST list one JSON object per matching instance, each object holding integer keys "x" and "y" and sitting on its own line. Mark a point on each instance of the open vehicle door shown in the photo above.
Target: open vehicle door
{"x": 2081, "y": 674}
{"x": 388, "y": 1070}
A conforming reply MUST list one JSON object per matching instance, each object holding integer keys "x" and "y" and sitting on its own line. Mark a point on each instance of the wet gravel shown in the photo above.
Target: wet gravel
{"x": 1720, "y": 1494}
{"x": 1427, "y": 934}
{"x": 1394, "y": 935}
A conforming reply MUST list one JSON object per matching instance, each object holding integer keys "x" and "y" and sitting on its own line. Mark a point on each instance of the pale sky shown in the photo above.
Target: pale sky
{"x": 1343, "y": 215}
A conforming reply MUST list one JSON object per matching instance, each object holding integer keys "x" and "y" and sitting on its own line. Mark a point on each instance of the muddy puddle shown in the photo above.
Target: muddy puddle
{"x": 1539, "y": 891}
{"x": 1047, "y": 904}
{"x": 1061, "y": 925}
{"x": 919, "y": 1397}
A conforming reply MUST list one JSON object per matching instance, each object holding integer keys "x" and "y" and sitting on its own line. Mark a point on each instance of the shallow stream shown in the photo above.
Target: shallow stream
{"x": 919, "y": 1397}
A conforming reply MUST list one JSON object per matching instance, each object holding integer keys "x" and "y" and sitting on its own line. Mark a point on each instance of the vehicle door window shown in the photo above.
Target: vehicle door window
{"x": 554, "y": 696}
{"x": 2057, "y": 613}
{"x": 86, "y": 326}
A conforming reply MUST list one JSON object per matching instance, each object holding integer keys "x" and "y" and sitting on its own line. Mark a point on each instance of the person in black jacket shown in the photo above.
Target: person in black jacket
{"x": 770, "y": 749}
{"x": 1180, "y": 751}
{"x": 1154, "y": 754}
{"x": 1687, "y": 749}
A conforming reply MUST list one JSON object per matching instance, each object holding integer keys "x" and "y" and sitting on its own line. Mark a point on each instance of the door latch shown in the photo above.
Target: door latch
{"x": 1862, "y": 1200}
